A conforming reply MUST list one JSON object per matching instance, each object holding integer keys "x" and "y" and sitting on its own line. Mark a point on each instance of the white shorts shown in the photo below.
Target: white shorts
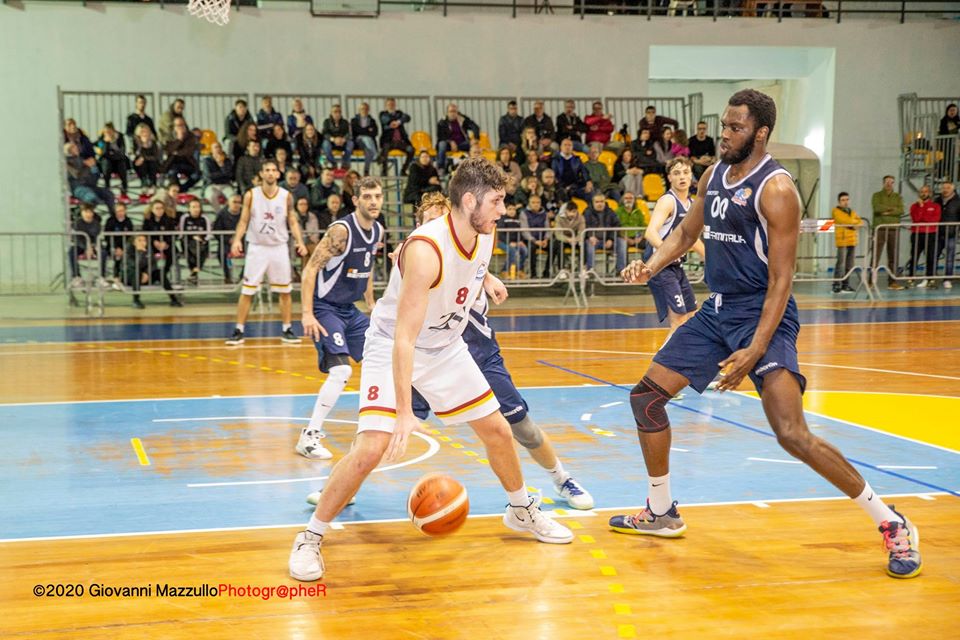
{"x": 448, "y": 379}
{"x": 272, "y": 260}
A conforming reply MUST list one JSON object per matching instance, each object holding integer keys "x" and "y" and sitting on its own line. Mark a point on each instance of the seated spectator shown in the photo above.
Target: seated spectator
{"x": 159, "y": 225}
{"x": 571, "y": 127}
{"x": 137, "y": 118}
{"x": 242, "y": 142}
{"x": 85, "y": 243}
{"x": 505, "y": 162}
{"x": 165, "y": 132}
{"x": 600, "y": 128}
{"x": 322, "y": 189}
{"x": 336, "y": 137}
{"x": 277, "y": 140}
{"x": 141, "y": 271}
{"x": 364, "y": 130}
{"x": 282, "y": 160}
{"x": 542, "y": 125}
{"x": 511, "y": 242}
{"x": 510, "y": 128}
{"x": 298, "y": 119}
{"x": 83, "y": 181}
{"x": 845, "y": 226}
{"x": 266, "y": 118}
{"x": 147, "y": 158}
{"x": 681, "y": 145}
{"x": 569, "y": 170}
{"x": 599, "y": 178}
{"x": 528, "y": 186}
{"x": 567, "y": 230}
{"x": 645, "y": 154}
{"x": 533, "y": 166}
{"x": 551, "y": 193}
{"x": 475, "y": 150}
{"x": 181, "y": 157}
{"x": 115, "y": 246}
{"x": 628, "y": 174}
{"x": 171, "y": 198}
{"x": 664, "y": 147}
{"x": 393, "y": 136}
{"x": 310, "y": 227}
{"x": 248, "y": 167}
{"x": 654, "y": 124}
{"x": 601, "y": 217}
{"x": 218, "y": 175}
{"x": 949, "y": 203}
{"x": 454, "y": 133}
{"x": 703, "y": 151}
{"x": 195, "y": 239}
{"x": 236, "y": 121}
{"x": 224, "y": 226}
{"x": 348, "y": 189}
{"x": 423, "y": 178}
{"x": 535, "y": 222}
{"x": 292, "y": 183}
{"x": 308, "y": 150}
{"x": 631, "y": 215}
{"x": 510, "y": 191}
{"x": 113, "y": 156}
{"x": 76, "y": 135}
{"x": 335, "y": 207}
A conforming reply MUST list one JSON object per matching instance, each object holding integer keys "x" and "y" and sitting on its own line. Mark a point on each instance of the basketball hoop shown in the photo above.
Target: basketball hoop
{"x": 215, "y": 11}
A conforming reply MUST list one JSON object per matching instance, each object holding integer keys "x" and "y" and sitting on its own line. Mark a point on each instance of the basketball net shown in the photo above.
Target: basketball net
{"x": 215, "y": 11}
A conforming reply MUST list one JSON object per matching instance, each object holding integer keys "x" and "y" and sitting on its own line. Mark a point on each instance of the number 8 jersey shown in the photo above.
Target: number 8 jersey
{"x": 452, "y": 294}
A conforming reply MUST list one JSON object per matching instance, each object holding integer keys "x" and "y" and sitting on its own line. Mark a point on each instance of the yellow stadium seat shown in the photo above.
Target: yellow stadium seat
{"x": 608, "y": 158}
{"x": 581, "y": 155}
{"x": 613, "y": 204}
{"x": 421, "y": 140}
{"x": 581, "y": 204}
{"x": 485, "y": 141}
{"x": 653, "y": 187}
{"x": 490, "y": 155}
{"x": 207, "y": 138}
{"x": 645, "y": 210}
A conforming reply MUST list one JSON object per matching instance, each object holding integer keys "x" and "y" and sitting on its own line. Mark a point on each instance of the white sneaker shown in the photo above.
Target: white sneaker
{"x": 575, "y": 495}
{"x": 309, "y": 445}
{"x": 713, "y": 384}
{"x": 531, "y": 518}
{"x": 306, "y": 563}
{"x": 923, "y": 284}
{"x": 314, "y": 498}
{"x": 947, "y": 284}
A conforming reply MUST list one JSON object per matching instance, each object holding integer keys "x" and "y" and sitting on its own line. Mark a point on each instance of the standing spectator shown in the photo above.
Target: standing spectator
{"x": 336, "y": 136}
{"x": 226, "y": 221}
{"x": 542, "y": 125}
{"x": 364, "y": 130}
{"x": 664, "y": 147}
{"x": 167, "y": 121}
{"x": 348, "y": 187}
{"x": 195, "y": 239}
{"x": 510, "y": 127}
{"x": 393, "y": 136}
{"x": 248, "y": 167}
{"x": 600, "y": 128}
{"x": 237, "y": 120}
{"x": 505, "y": 162}
{"x": 298, "y": 119}
{"x": 571, "y": 174}
{"x": 160, "y": 224}
{"x": 292, "y": 183}
{"x": 599, "y": 181}
{"x": 242, "y": 141}
{"x": 571, "y": 127}
{"x": 85, "y": 244}
{"x": 628, "y": 175}
{"x": 530, "y": 143}
{"x": 654, "y": 124}
{"x": 142, "y": 271}
{"x": 925, "y": 213}
{"x": 181, "y": 156}
{"x": 267, "y": 116}
{"x": 322, "y": 189}
{"x": 567, "y": 231}
{"x": 423, "y": 179}
{"x": 138, "y": 117}
{"x": 454, "y": 133}
{"x": 535, "y": 222}
{"x": 552, "y": 194}
{"x": 887, "y": 208}
{"x": 277, "y": 140}
{"x": 845, "y": 221}
{"x": 218, "y": 175}
{"x": 113, "y": 156}
{"x": 511, "y": 242}
{"x": 115, "y": 246}
{"x": 703, "y": 151}
{"x": 533, "y": 166}
{"x": 76, "y": 135}
{"x": 633, "y": 216}
{"x": 600, "y": 216}
{"x": 950, "y": 122}
{"x": 681, "y": 145}
{"x": 949, "y": 203}
{"x": 308, "y": 150}
{"x": 83, "y": 181}
{"x": 146, "y": 159}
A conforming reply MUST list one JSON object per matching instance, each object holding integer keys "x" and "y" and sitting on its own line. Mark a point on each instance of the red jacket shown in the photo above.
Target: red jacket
{"x": 603, "y": 131}
{"x": 928, "y": 211}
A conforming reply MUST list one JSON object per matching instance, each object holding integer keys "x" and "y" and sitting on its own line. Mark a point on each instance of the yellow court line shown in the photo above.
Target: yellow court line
{"x": 141, "y": 454}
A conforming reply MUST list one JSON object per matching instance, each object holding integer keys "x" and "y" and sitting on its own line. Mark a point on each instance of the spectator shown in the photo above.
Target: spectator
{"x": 568, "y": 228}
{"x": 277, "y": 140}
{"x": 266, "y": 118}
{"x": 599, "y": 177}
{"x": 505, "y": 162}
{"x": 218, "y": 175}
{"x": 600, "y": 128}
{"x": 85, "y": 243}
{"x": 628, "y": 174}
{"x": 242, "y": 142}
{"x": 569, "y": 170}
{"x": 510, "y": 241}
{"x": 146, "y": 159}
{"x": 308, "y": 150}
{"x": 531, "y": 143}
{"x": 542, "y": 125}
{"x": 681, "y": 145}
{"x": 293, "y": 184}
{"x": 510, "y": 127}
{"x": 533, "y": 166}
{"x": 645, "y": 154}
{"x": 336, "y": 136}
{"x": 171, "y": 198}
{"x": 925, "y": 213}
{"x": 347, "y": 190}
{"x": 282, "y": 160}
{"x": 631, "y": 215}
{"x": 947, "y": 237}
{"x": 298, "y": 119}
{"x": 571, "y": 127}
{"x": 195, "y": 239}
{"x": 165, "y": 131}
{"x": 454, "y": 133}
{"x": 529, "y": 185}
{"x": 664, "y": 147}
{"x": 535, "y": 222}
{"x": 224, "y": 226}
{"x": 600, "y": 217}
{"x": 950, "y": 122}
{"x": 393, "y": 136}
{"x": 76, "y": 135}
{"x": 309, "y": 225}
{"x": 159, "y": 224}
{"x": 142, "y": 271}
{"x": 887, "y": 208}
{"x": 115, "y": 246}
{"x": 83, "y": 181}
{"x": 703, "y": 151}
{"x": 248, "y": 167}
{"x": 423, "y": 179}
{"x": 236, "y": 121}
{"x": 364, "y": 130}
{"x": 113, "y": 156}
{"x": 335, "y": 208}
{"x": 552, "y": 194}
{"x": 654, "y": 124}
{"x": 181, "y": 156}
{"x": 845, "y": 221}
{"x": 138, "y": 117}
{"x": 322, "y": 189}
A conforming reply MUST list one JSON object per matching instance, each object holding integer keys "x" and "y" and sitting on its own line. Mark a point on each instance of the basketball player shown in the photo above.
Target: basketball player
{"x": 267, "y": 212}
{"x": 414, "y": 341}
{"x": 337, "y": 275}
{"x": 749, "y": 219}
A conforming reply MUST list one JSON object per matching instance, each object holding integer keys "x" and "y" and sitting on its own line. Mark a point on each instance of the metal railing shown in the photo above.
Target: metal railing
{"x": 419, "y": 108}
{"x": 819, "y": 259}
{"x": 632, "y": 110}
{"x": 916, "y": 252}
{"x": 485, "y": 111}
{"x": 317, "y": 106}
{"x": 204, "y": 110}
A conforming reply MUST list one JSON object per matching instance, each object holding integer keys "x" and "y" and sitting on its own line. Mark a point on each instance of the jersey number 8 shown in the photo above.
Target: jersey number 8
{"x": 462, "y": 295}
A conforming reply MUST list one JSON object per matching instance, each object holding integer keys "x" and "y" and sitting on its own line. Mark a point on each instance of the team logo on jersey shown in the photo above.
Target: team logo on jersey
{"x": 740, "y": 197}
{"x": 268, "y": 215}
{"x": 481, "y": 271}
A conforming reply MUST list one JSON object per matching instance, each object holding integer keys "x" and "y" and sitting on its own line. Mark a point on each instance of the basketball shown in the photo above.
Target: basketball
{"x": 438, "y": 504}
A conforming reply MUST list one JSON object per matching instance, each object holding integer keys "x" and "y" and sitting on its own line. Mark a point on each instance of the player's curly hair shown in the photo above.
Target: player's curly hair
{"x": 476, "y": 176}
{"x": 762, "y": 108}
{"x": 430, "y": 199}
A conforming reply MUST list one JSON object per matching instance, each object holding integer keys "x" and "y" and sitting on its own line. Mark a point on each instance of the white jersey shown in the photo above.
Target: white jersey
{"x": 268, "y": 218}
{"x": 453, "y": 294}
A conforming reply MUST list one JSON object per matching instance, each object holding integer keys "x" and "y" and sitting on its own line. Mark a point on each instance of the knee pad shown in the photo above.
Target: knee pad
{"x": 527, "y": 433}
{"x": 334, "y": 361}
{"x": 648, "y": 402}
{"x": 340, "y": 372}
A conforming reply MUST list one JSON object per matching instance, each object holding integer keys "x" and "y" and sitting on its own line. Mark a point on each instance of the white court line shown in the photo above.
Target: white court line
{"x": 902, "y": 466}
{"x": 774, "y": 460}
{"x": 761, "y": 505}
{"x": 891, "y": 371}
{"x": 679, "y": 449}
{"x": 216, "y": 418}
{"x": 611, "y": 404}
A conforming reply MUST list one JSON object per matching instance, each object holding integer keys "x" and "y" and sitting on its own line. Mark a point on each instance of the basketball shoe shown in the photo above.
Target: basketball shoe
{"x": 575, "y": 495}
{"x": 314, "y": 497}
{"x": 647, "y": 523}
{"x": 531, "y": 518}
{"x": 306, "y": 563}
{"x": 902, "y": 541}
{"x": 288, "y": 337}
{"x": 309, "y": 445}
{"x": 236, "y": 338}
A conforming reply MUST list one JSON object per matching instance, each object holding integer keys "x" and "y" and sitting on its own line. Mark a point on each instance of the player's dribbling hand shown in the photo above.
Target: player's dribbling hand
{"x": 636, "y": 272}
{"x": 735, "y": 367}
{"x": 236, "y": 249}
{"x": 312, "y": 328}
{"x": 405, "y": 425}
{"x": 495, "y": 289}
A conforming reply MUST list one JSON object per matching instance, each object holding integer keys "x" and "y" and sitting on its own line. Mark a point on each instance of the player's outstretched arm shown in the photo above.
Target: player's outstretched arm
{"x": 333, "y": 243}
{"x": 236, "y": 247}
{"x": 294, "y": 223}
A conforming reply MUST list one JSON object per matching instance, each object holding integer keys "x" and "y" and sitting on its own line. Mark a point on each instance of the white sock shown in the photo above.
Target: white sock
{"x": 658, "y": 494}
{"x": 284, "y": 327}
{"x": 558, "y": 473}
{"x": 519, "y": 498}
{"x": 328, "y": 394}
{"x": 875, "y": 507}
{"x": 240, "y": 326}
{"x": 318, "y": 527}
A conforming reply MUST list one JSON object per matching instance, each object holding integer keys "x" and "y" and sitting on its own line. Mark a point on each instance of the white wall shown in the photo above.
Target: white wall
{"x": 111, "y": 47}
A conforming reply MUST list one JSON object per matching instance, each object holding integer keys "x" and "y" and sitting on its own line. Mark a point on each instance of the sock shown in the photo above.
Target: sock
{"x": 328, "y": 394}
{"x": 658, "y": 494}
{"x": 319, "y": 527}
{"x": 558, "y": 474}
{"x": 875, "y": 507}
{"x": 286, "y": 327}
{"x": 240, "y": 326}
{"x": 519, "y": 498}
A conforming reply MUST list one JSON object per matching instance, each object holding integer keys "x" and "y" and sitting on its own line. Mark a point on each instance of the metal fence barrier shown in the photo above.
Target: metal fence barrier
{"x": 417, "y": 107}
{"x": 630, "y": 111}
{"x": 485, "y": 111}
{"x": 909, "y": 252}
{"x": 820, "y": 260}
{"x": 317, "y": 106}
{"x": 203, "y": 110}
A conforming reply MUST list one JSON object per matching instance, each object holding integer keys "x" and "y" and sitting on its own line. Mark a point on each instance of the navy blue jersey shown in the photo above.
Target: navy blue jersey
{"x": 672, "y": 222}
{"x": 344, "y": 279}
{"x": 734, "y": 231}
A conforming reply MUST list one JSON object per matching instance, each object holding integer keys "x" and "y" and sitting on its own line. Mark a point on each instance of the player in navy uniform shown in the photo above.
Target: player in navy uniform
{"x": 749, "y": 219}
{"x": 338, "y": 274}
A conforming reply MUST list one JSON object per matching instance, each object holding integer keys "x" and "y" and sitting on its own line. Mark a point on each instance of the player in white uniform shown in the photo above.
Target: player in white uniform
{"x": 415, "y": 340}
{"x": 267, "y": 213}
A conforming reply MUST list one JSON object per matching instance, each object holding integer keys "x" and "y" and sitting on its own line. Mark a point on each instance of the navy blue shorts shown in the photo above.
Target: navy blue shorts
{"x": 486, "y": 353}
{"x": 725, "y": 324}
{"x": 672, "y": 291}
{"x": 346, "y": 326}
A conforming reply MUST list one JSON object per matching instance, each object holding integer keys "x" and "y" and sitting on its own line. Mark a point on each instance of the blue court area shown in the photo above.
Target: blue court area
{"x": 71, "y": 468}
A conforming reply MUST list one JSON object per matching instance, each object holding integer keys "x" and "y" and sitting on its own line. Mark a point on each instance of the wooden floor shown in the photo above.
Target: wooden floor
{"x": 785, "y": 570}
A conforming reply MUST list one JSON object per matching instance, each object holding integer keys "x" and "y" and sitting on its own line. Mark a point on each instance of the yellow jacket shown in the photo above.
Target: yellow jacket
{"x": 845, "y": 236}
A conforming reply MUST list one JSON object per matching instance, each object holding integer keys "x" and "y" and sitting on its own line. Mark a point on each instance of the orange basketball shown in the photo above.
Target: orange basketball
{"x": 438, "y": 504}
